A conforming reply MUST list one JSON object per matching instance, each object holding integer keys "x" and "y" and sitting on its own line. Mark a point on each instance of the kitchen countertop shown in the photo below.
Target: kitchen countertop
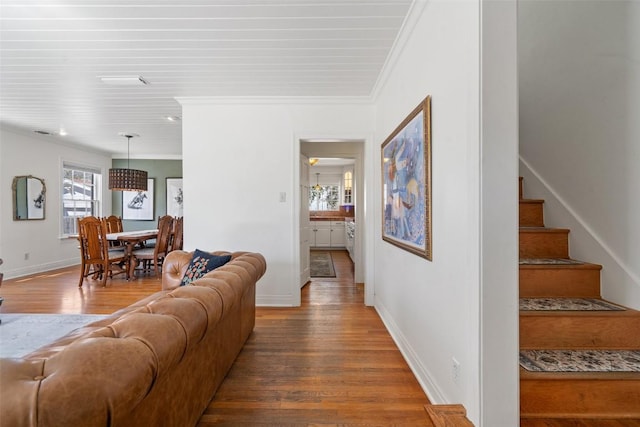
{"x": 331, "y": 218}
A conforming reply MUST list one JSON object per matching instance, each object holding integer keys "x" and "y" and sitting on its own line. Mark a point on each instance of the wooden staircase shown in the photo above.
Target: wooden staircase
{"x": 595, "y": 396}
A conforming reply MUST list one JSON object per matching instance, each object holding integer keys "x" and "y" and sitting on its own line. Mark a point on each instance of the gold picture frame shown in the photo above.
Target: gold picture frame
{"x": 406, "y": 183}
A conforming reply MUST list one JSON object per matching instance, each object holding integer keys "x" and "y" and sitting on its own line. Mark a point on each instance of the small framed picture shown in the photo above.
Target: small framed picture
{"x": 174, "y": 197}
{"x": 138, "y": 205}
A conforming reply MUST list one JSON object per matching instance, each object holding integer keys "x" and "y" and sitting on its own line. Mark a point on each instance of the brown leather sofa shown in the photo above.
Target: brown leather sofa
{"x": 157, "y": 362}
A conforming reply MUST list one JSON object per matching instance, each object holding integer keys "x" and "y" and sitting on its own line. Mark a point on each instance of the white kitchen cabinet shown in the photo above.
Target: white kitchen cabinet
{"x": 327, "y": 234}
{"x": 337, "y": 234}
{"x": 320, "y": 234}
{"x": 323, "y": 234}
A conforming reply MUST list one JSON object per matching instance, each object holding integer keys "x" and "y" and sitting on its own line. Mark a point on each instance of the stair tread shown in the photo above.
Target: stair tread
{"x": 584, "y": 265}
{"x": 549, "y": 261}
{"x": 532, "y": 375}
{"x": 568, "y": 304}
{"x": 533, "y": 201}
{"x": 627, "y": 312}
{"x": 543, "y": 229}
{"x": 582, "y": 360}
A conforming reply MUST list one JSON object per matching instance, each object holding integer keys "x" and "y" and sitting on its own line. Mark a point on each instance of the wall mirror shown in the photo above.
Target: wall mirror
{"x": 28, "y": 197}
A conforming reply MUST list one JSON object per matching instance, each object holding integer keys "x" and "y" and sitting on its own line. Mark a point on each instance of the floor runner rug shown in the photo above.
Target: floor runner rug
{"x": 567, "y": 304}
{"x": 580, "y": 360}
{"x": 322, "y": 264}
{"x": 549, "y": 261}
{"x": 23, "y": 333}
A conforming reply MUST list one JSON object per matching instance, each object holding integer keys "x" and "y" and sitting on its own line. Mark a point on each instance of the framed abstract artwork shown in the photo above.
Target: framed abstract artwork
{"x": 138, "y": 205}
{"x": 406, "y": 183}
{"x": 174, "y": 197}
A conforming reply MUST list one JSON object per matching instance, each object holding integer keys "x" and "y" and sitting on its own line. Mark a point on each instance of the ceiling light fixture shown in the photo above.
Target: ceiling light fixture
{"x": 317, "y": 187}
{"x": 124, "y": 80}
{"x": 121, "y": 179}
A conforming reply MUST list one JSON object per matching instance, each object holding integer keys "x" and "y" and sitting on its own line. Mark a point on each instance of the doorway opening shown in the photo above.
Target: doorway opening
{"x": 331, "y": 183}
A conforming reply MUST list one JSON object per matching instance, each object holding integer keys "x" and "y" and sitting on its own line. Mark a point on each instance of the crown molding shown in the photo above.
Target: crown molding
{"x": 264, "y": 100}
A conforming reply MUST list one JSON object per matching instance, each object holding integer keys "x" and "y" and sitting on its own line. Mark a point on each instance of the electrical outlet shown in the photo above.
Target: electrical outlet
{"x": 26, "y": 256}
{"x": 455, "y": 370}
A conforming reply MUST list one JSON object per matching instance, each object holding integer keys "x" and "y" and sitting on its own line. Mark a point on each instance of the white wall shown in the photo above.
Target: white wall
{"x": 463, "y": 304}
{"x": 579, "y": 130}
{"x": 238, "y": 157}
{"x": 22, "y": 154}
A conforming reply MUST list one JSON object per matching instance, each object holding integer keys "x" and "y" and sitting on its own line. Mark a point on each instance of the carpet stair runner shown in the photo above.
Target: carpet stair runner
{"x": 580, "y": 355}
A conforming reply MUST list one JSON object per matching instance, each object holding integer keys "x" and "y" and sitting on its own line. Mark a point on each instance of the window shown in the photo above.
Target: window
{"x": 324, "y": 197}
{"x": 81, "y": 195}
{"x": 348, "y": 184}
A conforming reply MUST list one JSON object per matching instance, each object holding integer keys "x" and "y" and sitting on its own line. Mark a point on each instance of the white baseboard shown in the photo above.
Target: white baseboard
{"x": 275, "y": 301}
{"x": 421, "y": 373}
{"x": 40, "y": 268}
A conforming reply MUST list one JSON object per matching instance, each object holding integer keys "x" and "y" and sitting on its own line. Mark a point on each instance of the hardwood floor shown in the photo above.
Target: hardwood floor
{"x": 57, "y": 291}
{"x": 329, "y": 362}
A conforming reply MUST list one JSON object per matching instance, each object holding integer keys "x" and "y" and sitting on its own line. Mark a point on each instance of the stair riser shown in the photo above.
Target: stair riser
{"x": 595, "y": 331}
{"x": 559, "y": 282}
{"x": 531, "y": 215}
{"x": 580, "y": 398}
{"x": 544, "y": 244}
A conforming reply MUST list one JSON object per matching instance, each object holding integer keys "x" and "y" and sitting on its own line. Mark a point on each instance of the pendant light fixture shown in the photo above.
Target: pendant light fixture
{"x": 121, "y": 179}
{"x": 317, "y": 187}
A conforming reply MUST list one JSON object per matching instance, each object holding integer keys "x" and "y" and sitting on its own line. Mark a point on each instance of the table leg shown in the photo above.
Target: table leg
{"x": 130, "y": 260}
{"x": 132, "y": 266}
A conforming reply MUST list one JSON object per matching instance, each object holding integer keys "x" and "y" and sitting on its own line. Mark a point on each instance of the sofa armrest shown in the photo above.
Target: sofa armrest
{"x": 174, "y": 267}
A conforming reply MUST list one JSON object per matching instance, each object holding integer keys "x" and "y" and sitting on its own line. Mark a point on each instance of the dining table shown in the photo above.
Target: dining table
{"x": 130, "y": 239}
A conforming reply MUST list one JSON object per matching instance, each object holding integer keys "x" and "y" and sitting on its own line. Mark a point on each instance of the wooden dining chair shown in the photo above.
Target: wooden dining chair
{"x": 95, "y": 252}
{"x": 151, "y": 243}
{"x": 155, "y": 255}
{"x": 176, "y": 238}
{"x": 114, "y": 225}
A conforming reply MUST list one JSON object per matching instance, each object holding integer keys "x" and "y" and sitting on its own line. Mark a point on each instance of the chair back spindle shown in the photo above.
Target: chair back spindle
{"x": 176, "y": 239}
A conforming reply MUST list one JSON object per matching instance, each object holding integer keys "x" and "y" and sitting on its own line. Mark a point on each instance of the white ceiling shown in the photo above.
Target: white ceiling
{"x": 53, "y": 53}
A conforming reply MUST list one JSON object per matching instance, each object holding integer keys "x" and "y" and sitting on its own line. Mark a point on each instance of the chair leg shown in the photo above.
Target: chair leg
{"x": 83, "y": 268}
{"x": 105, "y": 274}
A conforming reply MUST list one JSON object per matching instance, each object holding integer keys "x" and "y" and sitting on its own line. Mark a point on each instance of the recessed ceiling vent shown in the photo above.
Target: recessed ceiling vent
{"x": 124, "y": 80}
